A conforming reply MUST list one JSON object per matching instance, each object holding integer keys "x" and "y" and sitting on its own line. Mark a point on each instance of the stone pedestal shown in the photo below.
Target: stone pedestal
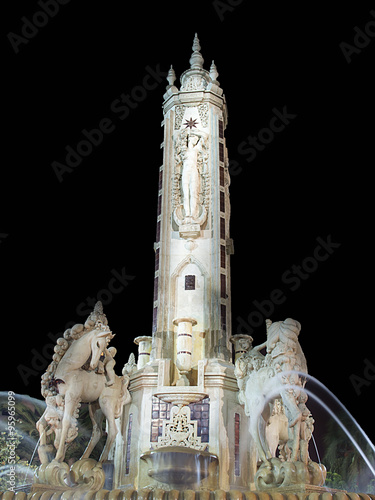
{"x": 221, "y": 423}
{"x": 144, "y": 344}
{"x": 189, "y": 231}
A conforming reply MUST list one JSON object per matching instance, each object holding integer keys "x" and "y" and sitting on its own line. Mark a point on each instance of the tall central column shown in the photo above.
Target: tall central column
{"x": 193, "y": 247}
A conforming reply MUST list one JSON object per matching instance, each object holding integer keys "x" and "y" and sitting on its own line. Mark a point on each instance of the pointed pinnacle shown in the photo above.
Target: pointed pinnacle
{"x": 196, "y": 60}
{"x": 196, "y": 45}
{"x": 213, "y": 72}
{"x": 171, "y": 77}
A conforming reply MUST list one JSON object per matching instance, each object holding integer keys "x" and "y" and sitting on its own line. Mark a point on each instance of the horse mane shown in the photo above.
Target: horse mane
{"x": 289, "y": 331}
{"x": 49, "y": 383}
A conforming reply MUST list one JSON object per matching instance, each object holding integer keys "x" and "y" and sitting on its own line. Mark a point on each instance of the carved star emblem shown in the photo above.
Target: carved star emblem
{"x": 191, "y": 123}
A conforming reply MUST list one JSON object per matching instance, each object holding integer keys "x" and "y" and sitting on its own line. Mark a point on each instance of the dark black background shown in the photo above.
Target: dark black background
{"x": 313, "y": 180}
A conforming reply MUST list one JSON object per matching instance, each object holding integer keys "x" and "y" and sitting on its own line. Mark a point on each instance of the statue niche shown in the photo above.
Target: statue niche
{"x": 190, "y": 190}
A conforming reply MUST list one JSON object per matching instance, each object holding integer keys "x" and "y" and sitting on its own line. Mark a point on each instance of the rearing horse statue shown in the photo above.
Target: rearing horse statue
{"x": 82, "y": 371}
{"x": 278, "y": 375}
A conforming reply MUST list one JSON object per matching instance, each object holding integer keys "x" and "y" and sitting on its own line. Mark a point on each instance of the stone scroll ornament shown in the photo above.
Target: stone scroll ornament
{"x": 191, "y": 178}
{"x": 82, "y": 370}
{"x": 277, "y": 378}
{"x": 180, "y": 430}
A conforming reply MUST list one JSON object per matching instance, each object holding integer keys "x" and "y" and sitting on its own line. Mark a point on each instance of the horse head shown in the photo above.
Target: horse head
{"x": 102, "y": 336}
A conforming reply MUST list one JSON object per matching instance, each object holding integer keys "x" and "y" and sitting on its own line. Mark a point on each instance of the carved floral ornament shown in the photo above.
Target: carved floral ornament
{"x": 180, "y": 430}
{"x": 194, "y": 82}
{"x": 202, "y": 112}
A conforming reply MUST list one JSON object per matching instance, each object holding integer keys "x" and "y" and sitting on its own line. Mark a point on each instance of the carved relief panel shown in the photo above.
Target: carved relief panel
{"x": 190, "y": 196}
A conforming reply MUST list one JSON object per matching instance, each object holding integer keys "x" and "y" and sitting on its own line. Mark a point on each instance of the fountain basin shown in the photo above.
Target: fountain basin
{"x": 178, "y": 466}
{"x": 181, "y": 396}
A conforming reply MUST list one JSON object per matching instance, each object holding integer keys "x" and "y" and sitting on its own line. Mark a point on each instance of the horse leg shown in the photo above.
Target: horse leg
{"x": 41, "y": 426}
{"x": 263, "y": 421}
{"x": 294, "y": 414}
{"x": 283, "y": 437}
{"x": 254, "y": 431}
{"x": 296, "y": 441}
{"x": 107, "y": 405}
{"x": 96, "y": 416}
{"x": 71, "y": 403}
{"x": 262, "y": 437}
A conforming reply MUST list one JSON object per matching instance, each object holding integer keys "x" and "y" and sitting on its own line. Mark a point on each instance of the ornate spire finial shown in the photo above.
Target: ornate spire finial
{"x": 214, "y": 73}
{"x": 196, "y": 44}
{"x": 171, "y": 77}
{"x": 196, "y": 60}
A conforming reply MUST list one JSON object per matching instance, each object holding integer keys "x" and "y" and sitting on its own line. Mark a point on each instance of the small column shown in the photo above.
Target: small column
{"x": 242, "y": 343}
{"x": 184, "y": 346}
{"x": 144, "y": 344}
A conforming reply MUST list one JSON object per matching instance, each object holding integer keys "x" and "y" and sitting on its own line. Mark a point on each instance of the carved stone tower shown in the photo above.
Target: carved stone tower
{"x": 184, "y": 392}
{"x": 192, "y": 270}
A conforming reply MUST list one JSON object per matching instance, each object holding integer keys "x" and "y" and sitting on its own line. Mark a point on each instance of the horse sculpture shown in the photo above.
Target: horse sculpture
{"x": 279, "y": 375}
{"x": 82, "y": 371}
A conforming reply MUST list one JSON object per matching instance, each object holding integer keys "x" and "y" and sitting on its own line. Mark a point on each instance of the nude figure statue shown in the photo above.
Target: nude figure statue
{"x": 190, "y": 177}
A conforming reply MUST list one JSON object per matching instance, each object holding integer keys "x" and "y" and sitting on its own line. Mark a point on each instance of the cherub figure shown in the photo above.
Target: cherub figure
{"x": 109, "y": 364}
{"x": 50, "y": 422}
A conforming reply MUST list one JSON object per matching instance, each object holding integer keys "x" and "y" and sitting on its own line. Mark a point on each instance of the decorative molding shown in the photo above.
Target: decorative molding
{"x": 189, "y": 259}
{"x": 309, "y": 492}
{"x": 180, "y": 430}
{"x": 194, "y": 82}
{"x": 179, "y": 115}
{"x": 203, "y": 114}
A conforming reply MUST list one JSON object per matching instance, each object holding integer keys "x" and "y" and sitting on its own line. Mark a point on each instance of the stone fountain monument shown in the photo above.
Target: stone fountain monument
{"x": 185, "y": 418}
